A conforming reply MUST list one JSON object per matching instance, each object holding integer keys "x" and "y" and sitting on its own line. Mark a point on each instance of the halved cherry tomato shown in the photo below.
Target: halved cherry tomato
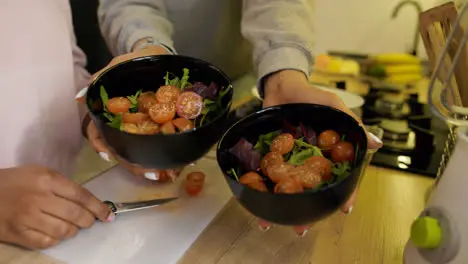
{"x": 145, "y": 101}
{"x": 342, "y": 151}
{"x": 288, "y": 185}
{"x": 320, "y": 164}
{"x": 307, "y": 177}
{"x": 167, "y": 94}
{"x": 135, "y": 118}
{"x": 189, "y": 105}
{"x": 270, "y": 159}
{"x": 118, "y": 105}
{"x": 327, "y": 139}
{"x": 162, "y": 112}
{"x": 144, "y": 128}
{"x": 282, "y": 144}
{"x": 182, "y": 124}
{"x": 278, "y": 171}
{"x": 168, "y": 128}
{"x": 250, "y": 177}
{"x": 259, "y": 186}
{"x": 194, "y": 183}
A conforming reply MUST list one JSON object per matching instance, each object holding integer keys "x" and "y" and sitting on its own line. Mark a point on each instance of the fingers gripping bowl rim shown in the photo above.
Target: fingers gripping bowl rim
{"x": 159, "y": 151}
{"x": 298, "y": 208}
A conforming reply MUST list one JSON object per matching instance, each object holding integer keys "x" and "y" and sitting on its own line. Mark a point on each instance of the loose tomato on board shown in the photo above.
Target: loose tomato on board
{"x": 327, "y": 139}
{"x": 118, "y": 105}
{"x": 189, "y": 105}
{"x": 182, "y": 124}
{"x": 250, "y": 177}
{"x": 343, "y": 151}
{"x": 282, "y": 144}
{"x": 162, "y": 112}
{"x": 194, "y": 183}
{"x": 168, "y": 128}
{"x": 270, "y": 159}
{"x": 167, "y": 94}
{"x": 289, "y": 186}
{"x": 135, "y": 118}
{"x": 145, "y": 101}
{"x": 320, "y": 164}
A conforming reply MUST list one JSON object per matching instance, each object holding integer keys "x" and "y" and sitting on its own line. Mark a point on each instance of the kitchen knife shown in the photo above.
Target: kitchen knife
{"x": 118, "y": 208}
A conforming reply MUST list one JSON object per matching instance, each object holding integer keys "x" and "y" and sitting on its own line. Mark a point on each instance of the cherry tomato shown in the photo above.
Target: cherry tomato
{"x": 283, "y": 143}
{"x": 144, "y": 128}
{"x": 189, "y": 105}
{"x": 118, "y": 105}
{"x": 167, "y": 94}
{"x": 259, "y": 186}
{"x": 250, "y": 177}
{"x": 145, "y": 101}
{"x": 327, "y": 139}
{"x": 194, "y": 183}
{"x": 288, "y": 185}
{"x": 168, "y": 128}
{"x": 162, "y": 112}
{"x": 278, "y": 171}
{"x": 321, "y": 165}
{"x": 270, "y": 159}
{"x": 343, "y": 151}
{"x": 135, "y": 118}
{"x": 182, "y": 124}
{"x": 307, "y": 177}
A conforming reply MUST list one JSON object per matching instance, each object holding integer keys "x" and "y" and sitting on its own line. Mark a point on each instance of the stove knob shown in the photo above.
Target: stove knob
{"x": 426, "y": 233}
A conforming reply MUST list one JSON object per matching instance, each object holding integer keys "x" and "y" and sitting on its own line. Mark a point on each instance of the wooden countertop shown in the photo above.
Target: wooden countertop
{"x": 374, "y": 233}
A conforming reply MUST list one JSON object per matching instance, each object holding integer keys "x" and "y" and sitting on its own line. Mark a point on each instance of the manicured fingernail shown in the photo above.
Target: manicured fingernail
{"x": 104, "y": 156}
{"x": 375, "y": 138}
{"x": 81, "y": 93}
{"x": 111, "y": 217}
{"x": 151, "y": 176}
{"x": 303, "y": 233}
{"x": 349, "y": 210}
{"x": 264, "y": 225}
{"x": 264, "y": 228}
{"x": 192, "y": 164}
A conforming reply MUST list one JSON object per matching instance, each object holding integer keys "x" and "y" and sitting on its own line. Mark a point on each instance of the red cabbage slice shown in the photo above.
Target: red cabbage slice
{"x": 248, "y": 157}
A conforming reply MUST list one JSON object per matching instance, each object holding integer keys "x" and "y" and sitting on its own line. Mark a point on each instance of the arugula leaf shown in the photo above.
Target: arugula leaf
{"x": 341, "y": 170}
{"x": 134, "y": 100}
{"x": 184, "y": 79}
{"x": 175, "y": 81}
{"x": 109, "y": 116}
{"x": 116, "y": 122}
{"x": 299, "y": 157}
{"x": 233, "y": 172}
{"x": 264, "y": 142}
{"x": 104, "y": 96}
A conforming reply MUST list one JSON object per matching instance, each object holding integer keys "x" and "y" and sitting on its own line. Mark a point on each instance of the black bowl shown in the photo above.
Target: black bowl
{"x": 158, "y": 151}
{"x": 301, "y": 208}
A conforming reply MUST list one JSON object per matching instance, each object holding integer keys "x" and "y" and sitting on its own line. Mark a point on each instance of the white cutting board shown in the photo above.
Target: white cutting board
{"x": 159, "y": 235}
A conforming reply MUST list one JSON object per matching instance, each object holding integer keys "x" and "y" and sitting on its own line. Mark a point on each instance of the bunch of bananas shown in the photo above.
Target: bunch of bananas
{"x": 396, "y": 68}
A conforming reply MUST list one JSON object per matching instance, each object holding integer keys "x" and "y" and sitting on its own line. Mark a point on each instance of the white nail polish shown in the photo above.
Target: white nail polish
{"x": 81, "y": 93}
{"x": 304, "y": 233}
{"x": 375, "y": 138}
{"x": 264, "y": 229}
{"x": 349, "y": 210}
{"x": 104, "y": 156}
{"x": 152, "y": 176}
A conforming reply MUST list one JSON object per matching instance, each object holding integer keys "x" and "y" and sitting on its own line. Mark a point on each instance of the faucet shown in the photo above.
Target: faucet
{"x": 418, "y": 7}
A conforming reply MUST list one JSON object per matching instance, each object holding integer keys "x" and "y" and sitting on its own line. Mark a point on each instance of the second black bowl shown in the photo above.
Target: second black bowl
{"x": 147, "y": 74}
{"x": 311, "y": 205}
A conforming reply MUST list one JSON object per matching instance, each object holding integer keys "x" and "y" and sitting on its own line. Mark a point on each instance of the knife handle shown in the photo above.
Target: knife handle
{"x": 111, "y": 205}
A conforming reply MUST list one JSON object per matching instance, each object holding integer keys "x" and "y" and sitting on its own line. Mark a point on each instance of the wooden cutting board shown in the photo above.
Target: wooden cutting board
{"x": 157, "y": 235}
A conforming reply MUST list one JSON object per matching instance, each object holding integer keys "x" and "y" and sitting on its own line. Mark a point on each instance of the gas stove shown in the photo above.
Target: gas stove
{"x": 413, "y": 138}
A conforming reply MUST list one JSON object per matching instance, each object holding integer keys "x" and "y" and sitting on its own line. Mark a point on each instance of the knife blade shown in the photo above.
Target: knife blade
{"x": 118, "y": 208}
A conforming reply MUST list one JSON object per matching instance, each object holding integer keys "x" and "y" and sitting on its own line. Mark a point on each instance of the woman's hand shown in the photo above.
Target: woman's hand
{"x": 39, "y": 208}
{"x": 290, "y": 86}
